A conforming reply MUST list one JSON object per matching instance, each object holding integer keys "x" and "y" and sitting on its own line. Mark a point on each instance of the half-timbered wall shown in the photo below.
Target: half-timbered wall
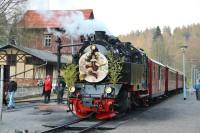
{"x": 17, "y": 70}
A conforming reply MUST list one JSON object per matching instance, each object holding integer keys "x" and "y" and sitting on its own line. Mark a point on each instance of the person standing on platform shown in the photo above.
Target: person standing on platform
{"x": 197, "y": 88}
{"x": 47, "y": 89}
{"x": 12, "y": 88}
{"x": 60, "y": 89}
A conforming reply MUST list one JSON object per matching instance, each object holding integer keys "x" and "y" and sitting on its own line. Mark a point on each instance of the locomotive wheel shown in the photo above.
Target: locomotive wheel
{"x": 123, "y": 101}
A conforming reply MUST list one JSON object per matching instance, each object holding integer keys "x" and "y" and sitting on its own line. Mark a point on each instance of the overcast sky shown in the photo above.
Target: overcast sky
{"x": 123, "y": 16}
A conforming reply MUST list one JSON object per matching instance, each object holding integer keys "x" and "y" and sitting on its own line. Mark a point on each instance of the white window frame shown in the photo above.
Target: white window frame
{"x": 47, "y": 40}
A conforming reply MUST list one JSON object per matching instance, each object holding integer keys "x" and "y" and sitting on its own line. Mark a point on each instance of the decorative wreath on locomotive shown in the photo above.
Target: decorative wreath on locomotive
{"x": 114, "y": 77}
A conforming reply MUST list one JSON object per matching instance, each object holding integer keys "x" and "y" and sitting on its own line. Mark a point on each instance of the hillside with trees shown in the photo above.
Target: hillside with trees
{"x": 163, "y": 44}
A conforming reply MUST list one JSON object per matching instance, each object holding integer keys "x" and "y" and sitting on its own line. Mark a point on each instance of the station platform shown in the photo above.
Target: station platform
{"x": 173, "y": 115}
{"x": 32, "y": 116}
{"x": 35, "y": 98}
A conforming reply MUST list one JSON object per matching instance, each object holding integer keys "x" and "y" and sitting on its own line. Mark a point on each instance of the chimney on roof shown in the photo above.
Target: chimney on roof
{"x": 13, "y": 41}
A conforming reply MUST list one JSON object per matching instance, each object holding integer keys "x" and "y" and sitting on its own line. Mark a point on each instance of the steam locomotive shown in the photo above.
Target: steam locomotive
{"x": 141, "y": 78}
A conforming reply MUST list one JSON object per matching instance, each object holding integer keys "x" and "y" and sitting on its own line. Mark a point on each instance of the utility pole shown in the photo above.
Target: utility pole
{"x": 58, "y": 54}
{"x": 183, "y": 48}
{"x": 1, "y": 92}
{"x": 72, "y": 50}
{"x": 58, "y": 59}
{"x": 196, "y": 75}
{"x": 191, "y": 76}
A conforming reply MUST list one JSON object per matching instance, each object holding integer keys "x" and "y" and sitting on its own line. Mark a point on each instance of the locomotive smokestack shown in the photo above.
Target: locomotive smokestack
{"x": 99, "y": 35}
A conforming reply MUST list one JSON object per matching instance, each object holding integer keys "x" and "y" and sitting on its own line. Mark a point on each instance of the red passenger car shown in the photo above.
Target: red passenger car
{"x": 157, "y": 78}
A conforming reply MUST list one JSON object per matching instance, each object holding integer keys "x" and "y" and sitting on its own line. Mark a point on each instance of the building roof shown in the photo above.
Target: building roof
{"x": 36, "y": 19}
{"x": 41, "y": 54}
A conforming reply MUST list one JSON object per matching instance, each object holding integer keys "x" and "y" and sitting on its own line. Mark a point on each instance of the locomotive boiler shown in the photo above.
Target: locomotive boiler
{"x": 140, "y": 78}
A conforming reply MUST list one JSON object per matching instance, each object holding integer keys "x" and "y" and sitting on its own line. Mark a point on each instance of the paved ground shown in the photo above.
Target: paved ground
{"x": 173, "y": 115}
{"x": 33, "y": 118}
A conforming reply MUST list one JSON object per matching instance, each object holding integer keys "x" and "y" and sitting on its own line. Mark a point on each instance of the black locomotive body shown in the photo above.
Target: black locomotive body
{"x": 93, "y": 93}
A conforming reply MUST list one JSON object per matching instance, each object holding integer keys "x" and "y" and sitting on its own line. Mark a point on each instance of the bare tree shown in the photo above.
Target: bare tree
{"x": 8, "y": 6}
{"x": 10, "y": 10}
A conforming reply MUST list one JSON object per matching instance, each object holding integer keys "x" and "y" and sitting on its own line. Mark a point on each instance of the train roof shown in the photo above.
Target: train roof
{"x": 170, "y": 68}
{"x": 173, "y": 69}
{"x": 157, "y": 62}
{"x": 180, "y": 72}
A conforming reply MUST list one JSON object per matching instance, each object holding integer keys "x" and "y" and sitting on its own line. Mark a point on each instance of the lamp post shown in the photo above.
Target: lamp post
{"x": 183, "y": 48}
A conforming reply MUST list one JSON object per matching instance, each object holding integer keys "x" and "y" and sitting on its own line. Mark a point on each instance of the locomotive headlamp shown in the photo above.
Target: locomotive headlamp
{"x": 93, "y": 47}
{"x": 108, "y": 90}
{"x": 72, "y": 89}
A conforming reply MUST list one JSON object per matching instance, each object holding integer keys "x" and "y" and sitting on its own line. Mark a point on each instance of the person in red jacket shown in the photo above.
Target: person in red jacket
{"x": 47, "y": 89}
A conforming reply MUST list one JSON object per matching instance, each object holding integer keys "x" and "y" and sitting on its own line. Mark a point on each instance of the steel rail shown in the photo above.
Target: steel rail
{"x": 63, "y": 126}
{"x": 92, "y": 127}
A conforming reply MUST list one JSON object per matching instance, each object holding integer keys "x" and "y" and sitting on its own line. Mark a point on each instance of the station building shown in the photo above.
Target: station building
{"x": 28, "y": 66}
{"x": 33, "y": 55}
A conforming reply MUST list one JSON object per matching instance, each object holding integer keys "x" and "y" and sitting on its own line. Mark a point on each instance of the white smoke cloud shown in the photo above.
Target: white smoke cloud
{"x": 74, "y": 24}
{"x": 38, "y": 4}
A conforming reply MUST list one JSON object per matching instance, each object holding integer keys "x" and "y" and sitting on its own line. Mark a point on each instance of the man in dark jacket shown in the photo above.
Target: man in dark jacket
{"x": 12, "y": 88}
{"x": 60, "y": 87}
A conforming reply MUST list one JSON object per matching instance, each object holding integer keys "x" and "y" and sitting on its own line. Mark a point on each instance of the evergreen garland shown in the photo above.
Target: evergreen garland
{"x": 70, "y": 74}
{"x": 115, "y": 68}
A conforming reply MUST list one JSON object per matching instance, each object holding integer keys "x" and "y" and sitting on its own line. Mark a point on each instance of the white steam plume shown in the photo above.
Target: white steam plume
{"x": 74, "y": 24}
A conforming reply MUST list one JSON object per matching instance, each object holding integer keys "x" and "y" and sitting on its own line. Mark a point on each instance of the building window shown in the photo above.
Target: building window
{"x": 29, "y": 60}
{"x": 33, "y": 61}
{"x": 11, "y": 60}
{"x": 47, "y": 40}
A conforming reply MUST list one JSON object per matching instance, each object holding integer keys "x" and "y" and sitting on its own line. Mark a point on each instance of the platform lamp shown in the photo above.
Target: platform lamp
{"x": 183, "y": 48}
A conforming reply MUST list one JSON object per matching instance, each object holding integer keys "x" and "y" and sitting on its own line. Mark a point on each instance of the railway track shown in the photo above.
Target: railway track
{"x": 69, "y": 128}
{"x": 82, "y": 125}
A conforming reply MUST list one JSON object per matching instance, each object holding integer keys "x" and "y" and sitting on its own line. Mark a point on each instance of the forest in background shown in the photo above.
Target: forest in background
{"x": 164, "y": 44}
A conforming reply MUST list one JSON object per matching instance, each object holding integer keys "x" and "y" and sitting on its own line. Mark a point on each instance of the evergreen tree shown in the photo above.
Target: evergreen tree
{"x": 157, "y": 45}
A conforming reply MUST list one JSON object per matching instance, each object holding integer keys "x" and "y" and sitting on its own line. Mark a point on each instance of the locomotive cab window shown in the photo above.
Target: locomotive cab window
{"x": 137, "y": 58}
